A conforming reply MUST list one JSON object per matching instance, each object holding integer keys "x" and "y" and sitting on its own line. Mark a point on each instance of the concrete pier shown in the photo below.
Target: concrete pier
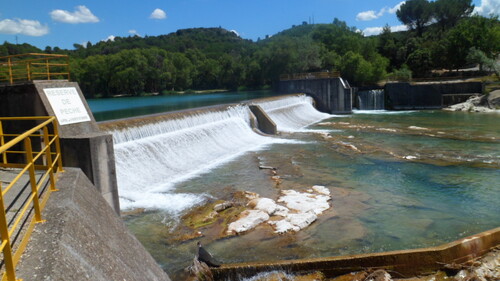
{"x": 83, "y": 145}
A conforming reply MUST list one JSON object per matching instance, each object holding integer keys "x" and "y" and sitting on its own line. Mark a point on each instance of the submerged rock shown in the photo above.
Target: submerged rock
{"x": 222, "y": 206}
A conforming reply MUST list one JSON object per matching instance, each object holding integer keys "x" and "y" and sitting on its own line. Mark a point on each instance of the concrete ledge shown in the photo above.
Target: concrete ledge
{"x": 264, "y": 123}
{"x": 83, "y": 239}
{"x": 407, "y": 262}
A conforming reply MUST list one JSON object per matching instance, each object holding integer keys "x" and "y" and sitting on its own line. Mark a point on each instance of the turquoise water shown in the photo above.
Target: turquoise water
{"x": 123, "y": 107}
{"x": 399, "y": 180}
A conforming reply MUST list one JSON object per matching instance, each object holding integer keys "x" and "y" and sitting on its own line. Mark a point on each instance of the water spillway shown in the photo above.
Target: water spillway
{"x": 293, "y": 113}
{"x": 153, "y": 155}
{"x": 421, "y": 180}
{"x": 371, "y": 100}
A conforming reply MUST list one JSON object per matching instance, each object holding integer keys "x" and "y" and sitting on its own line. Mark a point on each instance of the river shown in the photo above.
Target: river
{"x": 123, "y": 107}
{"x": 398, "y": 180}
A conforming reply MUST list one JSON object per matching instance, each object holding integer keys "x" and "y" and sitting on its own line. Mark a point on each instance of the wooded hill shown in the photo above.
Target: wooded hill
{"x": 214, "y": 58}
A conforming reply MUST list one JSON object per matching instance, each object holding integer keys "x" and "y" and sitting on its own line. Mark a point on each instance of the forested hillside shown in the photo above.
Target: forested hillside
{"x": 442, "y": 35}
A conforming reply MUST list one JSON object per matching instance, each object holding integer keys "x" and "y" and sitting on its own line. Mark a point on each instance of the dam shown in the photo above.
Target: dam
{"x": 396, "y": 178}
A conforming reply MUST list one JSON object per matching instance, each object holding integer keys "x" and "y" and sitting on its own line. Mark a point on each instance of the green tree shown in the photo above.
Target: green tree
{"x": 449, "y": 12}
{"x": 420, "y": 61}
{"x": 476, "y": 31}
{"x": 415, "y": 14}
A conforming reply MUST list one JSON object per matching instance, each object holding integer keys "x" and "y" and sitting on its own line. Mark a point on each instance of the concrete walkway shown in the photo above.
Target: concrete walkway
{"x": 84, "y": 239}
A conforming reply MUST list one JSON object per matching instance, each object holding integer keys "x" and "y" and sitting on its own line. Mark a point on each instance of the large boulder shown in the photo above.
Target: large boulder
{"x": 494, "y": 99}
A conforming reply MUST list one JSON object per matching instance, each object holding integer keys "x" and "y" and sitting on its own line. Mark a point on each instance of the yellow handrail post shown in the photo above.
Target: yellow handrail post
{"x": 67, "y": 67}
{"x": 58, "y": 147}
{"x": 48, "y": 155}
{"x": 10, "y": 271}
{"x": 2, "y": 142}
{"x": 48, "y": 68}
{"x": 34, "y": 187}
{"x": 28, "y": 69}
{"x": 9, "y": 64}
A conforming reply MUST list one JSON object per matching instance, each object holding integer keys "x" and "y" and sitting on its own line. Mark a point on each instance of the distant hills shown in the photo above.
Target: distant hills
{"x": 209, "y": 58}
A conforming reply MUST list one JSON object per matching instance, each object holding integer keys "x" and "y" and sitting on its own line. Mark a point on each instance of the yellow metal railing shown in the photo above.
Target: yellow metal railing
{"x": 24, "y": 197}
{"x": 310, "y": 75}
{"x": 33, "y": 66}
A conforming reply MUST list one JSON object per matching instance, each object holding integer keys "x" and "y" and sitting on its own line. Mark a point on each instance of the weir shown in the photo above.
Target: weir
{"x": 153, "y": 153}
{"x": 370, "y": 99}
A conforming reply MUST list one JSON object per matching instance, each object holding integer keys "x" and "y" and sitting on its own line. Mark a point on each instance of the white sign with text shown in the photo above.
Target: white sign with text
{"x": 67, "y": 105}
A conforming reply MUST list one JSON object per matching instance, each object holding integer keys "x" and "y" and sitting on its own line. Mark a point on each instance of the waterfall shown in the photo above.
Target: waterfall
{"x": 293, "y": 113}
{"x": 151, "y": 158}
{"x": 371, "y": 100}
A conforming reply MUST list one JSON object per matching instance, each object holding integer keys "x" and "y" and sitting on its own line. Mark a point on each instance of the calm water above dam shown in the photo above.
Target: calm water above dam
{"x": 123, "y": 107}
{"x": 398, "y": 180}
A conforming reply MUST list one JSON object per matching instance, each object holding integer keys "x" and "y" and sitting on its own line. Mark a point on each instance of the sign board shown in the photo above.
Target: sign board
{"x": 67, "y": 105}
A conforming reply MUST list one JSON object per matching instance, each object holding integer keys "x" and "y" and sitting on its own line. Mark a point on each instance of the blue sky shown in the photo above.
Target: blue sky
{"x": 63, "y": 23}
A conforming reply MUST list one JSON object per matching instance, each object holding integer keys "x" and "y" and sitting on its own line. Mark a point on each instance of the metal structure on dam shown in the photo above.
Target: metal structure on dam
{"x": 331, "y": 93}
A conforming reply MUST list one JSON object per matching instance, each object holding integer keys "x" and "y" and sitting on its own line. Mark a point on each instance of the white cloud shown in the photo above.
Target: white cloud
{"x": 371, "y": 15}
{"x": 369, "y": 31}
{"x": 366, "y": 16}
{"x": 394, "y": 9}
{"x": 110, "y": 38}
{"x": 25, "y": 27}
{"x": 488, "y": 8}
{"x": 81, "y": 15}
{"x": 158, "y": 14}
{"x": 134, "y": 32}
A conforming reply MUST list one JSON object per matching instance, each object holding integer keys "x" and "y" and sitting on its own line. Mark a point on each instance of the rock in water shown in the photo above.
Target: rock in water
{"x": 206, "y": 257}
{"x": 200, "y": 270}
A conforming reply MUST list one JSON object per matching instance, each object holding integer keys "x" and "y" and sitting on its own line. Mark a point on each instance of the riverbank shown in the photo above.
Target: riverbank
{"x": 484, "y": 103}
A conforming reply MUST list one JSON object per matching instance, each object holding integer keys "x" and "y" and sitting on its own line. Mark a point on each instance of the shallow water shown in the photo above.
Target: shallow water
{"x": 398, "y": 180}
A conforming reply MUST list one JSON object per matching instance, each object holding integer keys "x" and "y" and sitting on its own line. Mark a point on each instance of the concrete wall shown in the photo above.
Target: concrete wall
{"x": 264, "y": 123}
{"x": 83, "y": 145}
{"x": 400, "y": 96}
{"x": 406, "y": 262}
{"x": 83, "y": 239}
{"x": 330, "y": 95}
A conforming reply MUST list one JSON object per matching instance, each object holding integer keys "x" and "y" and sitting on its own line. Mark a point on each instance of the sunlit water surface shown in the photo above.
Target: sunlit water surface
{"x": 399, "y": 180}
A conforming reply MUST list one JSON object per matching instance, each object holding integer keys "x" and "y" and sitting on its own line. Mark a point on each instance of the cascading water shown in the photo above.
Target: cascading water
{"x": 293, "y": 113}
{"x": 371, "y": 100}
{"x": 151, "y": 158}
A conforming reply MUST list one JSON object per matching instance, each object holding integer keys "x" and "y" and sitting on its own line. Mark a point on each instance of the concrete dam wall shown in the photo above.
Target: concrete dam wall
{"x": 401, "y": 96}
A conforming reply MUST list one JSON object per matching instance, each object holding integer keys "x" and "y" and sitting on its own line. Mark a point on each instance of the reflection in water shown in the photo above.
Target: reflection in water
{"x": 406, "y": 180}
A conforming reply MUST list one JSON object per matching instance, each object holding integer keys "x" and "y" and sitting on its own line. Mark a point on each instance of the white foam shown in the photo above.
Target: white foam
{"x": 152, "y": 158}
{"x": 293, "y": 114}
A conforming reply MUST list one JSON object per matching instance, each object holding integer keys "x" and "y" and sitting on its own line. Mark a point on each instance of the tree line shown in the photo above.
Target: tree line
{"x": 441, "y": 35}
